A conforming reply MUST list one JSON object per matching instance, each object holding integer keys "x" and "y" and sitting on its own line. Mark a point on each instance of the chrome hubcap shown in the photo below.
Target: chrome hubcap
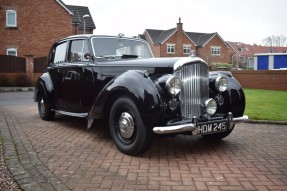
{"x": 42, "y": 106}
{"x": 126, "y": 125}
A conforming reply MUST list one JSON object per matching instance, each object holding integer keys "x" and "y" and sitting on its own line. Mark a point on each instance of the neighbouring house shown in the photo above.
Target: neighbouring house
{"x": 242, "y": 55}
{"x": 28, "y": 28}
{"x": 176, "y": 42}
{"x": 82, "y": 20}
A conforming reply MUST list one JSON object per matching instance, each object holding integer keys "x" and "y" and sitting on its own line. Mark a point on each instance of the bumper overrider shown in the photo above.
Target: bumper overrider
{"x": 197, "y": 128}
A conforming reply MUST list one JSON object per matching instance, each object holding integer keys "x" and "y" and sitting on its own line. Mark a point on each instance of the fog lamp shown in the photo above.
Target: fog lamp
{"x": 210, "y": 106}
{"x": 172, "y": 104}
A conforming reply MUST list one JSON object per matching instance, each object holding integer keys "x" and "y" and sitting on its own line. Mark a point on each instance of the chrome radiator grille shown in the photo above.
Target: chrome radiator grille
{"x": 194, "y": 90}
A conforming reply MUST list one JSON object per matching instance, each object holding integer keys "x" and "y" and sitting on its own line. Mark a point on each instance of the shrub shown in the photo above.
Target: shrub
{"x": 220, "y": 66}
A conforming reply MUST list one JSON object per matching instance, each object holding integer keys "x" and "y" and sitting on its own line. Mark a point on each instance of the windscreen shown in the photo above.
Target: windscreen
{"x": 122, "y": 47}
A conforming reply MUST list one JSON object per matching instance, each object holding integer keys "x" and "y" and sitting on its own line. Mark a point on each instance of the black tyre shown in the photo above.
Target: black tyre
{"x": 45, "y": 111}
{"x": 127, "y": 129}
{"x": 219, "y": 136}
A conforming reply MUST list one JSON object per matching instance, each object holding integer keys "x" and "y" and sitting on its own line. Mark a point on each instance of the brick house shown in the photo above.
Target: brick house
{"x": 176, "y": 42}
{"x": 28, "y": 28}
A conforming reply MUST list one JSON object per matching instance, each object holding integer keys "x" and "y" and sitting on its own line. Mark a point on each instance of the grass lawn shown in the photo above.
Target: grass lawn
{"x": 266, "y": 104}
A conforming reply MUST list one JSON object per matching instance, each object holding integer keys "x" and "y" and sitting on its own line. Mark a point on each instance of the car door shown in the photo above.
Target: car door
{"x": 77, "y": 78}
{"x": 57, "y": 64}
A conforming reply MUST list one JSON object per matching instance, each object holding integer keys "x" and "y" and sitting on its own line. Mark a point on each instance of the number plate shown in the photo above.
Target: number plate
{"x": 211, "y": 128}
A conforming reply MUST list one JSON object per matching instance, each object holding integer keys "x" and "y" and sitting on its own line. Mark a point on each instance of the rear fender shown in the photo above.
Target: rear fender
{"x": 45, "y": 85}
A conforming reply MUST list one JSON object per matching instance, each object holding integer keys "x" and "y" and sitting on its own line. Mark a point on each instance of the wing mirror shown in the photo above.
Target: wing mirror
{"x": 88, "y": 56}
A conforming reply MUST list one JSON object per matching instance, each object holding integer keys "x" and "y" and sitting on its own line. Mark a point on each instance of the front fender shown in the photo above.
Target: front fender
{"x": 45, "y": 85}
{"x": 137, "y": 86}
{"x": 234, "y": 98}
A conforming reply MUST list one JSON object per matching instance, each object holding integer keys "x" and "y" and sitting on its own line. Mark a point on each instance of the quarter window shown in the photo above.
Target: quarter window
{"x": 60, "y": 53}
{"x": 215, "y": 51}
{"x": 171, "y": 48}
{"x": 186, "y": 49}
{"x": 12, "y": 51}
{"x": 11, "y": 18}
{"x": 77, "y": 52}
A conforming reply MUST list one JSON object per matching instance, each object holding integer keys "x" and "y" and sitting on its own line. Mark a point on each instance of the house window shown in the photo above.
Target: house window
{"x": 170, "y": 48}
{"x": 12, "y": 51}
{"x": 11, "y": 18}
{"x": 215, "y": 50}
{"x": 186, "y": 49}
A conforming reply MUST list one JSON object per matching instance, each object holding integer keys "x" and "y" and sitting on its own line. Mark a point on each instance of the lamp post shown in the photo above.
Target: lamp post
{"x": 84, "y": 17}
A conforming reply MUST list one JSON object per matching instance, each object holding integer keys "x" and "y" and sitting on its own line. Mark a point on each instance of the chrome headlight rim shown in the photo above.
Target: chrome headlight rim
{"x": 173, "y": 85}
{"x": 221, "y": 83}
{"x": 210, "y": 106}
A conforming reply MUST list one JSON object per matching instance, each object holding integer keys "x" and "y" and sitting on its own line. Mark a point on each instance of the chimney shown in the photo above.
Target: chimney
{"x": 179, "y": 24}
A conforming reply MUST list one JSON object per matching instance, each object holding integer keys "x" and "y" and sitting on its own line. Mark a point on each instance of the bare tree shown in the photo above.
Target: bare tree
{"x": 275, "y": 41}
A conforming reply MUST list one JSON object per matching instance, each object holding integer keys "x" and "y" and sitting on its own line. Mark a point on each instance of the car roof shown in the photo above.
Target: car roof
{"x": 98, "y": 36}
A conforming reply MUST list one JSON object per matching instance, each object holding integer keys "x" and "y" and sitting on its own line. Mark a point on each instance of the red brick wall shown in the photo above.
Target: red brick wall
{"x": 205, "y": 52}
{"x": 265, "y": 79}
{"x": 39, "y": 24}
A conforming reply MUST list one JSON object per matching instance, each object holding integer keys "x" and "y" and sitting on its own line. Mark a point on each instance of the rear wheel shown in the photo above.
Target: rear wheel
{"x": 45, "y": 111}
{"x": 219, "y": 136}
{"x": 127, "y": 129}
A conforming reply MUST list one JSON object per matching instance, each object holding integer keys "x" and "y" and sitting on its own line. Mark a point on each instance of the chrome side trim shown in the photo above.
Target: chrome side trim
{"x": 190, "y": 127}
{"x": 83, "y": 115}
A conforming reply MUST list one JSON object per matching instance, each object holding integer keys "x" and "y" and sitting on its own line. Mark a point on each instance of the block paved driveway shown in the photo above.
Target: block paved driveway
{"x": 64, "y": 155}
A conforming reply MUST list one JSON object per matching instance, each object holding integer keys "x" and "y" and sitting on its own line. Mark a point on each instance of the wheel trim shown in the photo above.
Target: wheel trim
{"x": 42, "y": 106}
{"x": 126, "y": 125}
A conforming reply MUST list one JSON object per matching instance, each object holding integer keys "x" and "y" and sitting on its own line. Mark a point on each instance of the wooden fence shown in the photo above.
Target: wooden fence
{"x": 40, "y": 64}
{"x": 12, "y": 64}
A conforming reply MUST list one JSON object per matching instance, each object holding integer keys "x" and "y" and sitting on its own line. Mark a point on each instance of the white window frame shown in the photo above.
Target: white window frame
{"x": 215, "y": 50}
{"x": 169, "y": 48}
{"x": 7, "y": 20}
{"x": 186, "y": 49}
{"x": 12, "y": 50}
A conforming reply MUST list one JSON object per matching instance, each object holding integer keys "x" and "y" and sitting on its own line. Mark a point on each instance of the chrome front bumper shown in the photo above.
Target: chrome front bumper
{"x": 192, "y": 127}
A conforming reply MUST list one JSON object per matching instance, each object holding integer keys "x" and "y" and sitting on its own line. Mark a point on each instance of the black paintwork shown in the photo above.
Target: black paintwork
{"x": 91, "y": 87}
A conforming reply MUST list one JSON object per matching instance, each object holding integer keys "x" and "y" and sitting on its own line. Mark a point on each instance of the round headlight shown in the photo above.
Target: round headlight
{"x": 210, "y": 106}
{"x": 173, "y": 85}
{"x": 221, "y": 83}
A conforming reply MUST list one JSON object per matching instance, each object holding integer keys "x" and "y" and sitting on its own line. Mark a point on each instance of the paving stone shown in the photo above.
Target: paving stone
{"x": 64, "y": 155}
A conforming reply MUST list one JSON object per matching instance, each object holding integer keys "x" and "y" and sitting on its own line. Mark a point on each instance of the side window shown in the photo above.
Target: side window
{"x": 60, "y": 53}
{"x": 78, "y": 49}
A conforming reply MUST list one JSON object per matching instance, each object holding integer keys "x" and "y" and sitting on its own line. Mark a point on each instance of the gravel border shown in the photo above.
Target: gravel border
{"x": 7, "y": 181}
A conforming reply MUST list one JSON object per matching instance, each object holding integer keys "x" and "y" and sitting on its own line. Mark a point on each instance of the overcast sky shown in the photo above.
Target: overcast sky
{"x": 247, "y": 21}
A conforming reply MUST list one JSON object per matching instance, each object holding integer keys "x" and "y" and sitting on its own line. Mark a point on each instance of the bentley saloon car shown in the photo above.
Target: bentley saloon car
{"x": 117, "y": 78}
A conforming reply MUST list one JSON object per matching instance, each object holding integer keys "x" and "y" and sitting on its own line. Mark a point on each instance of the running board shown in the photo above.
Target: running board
{"x": 83, "y": 115}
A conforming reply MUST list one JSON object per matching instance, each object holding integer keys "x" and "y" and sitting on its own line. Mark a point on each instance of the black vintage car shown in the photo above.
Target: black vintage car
{"x": 116, "y": 77}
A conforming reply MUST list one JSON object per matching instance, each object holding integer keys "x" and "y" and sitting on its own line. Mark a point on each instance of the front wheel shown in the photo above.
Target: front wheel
{"x": 127, "y": 129}
{"x": 45, "y": 111}
{"x": 219, "y": 136}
